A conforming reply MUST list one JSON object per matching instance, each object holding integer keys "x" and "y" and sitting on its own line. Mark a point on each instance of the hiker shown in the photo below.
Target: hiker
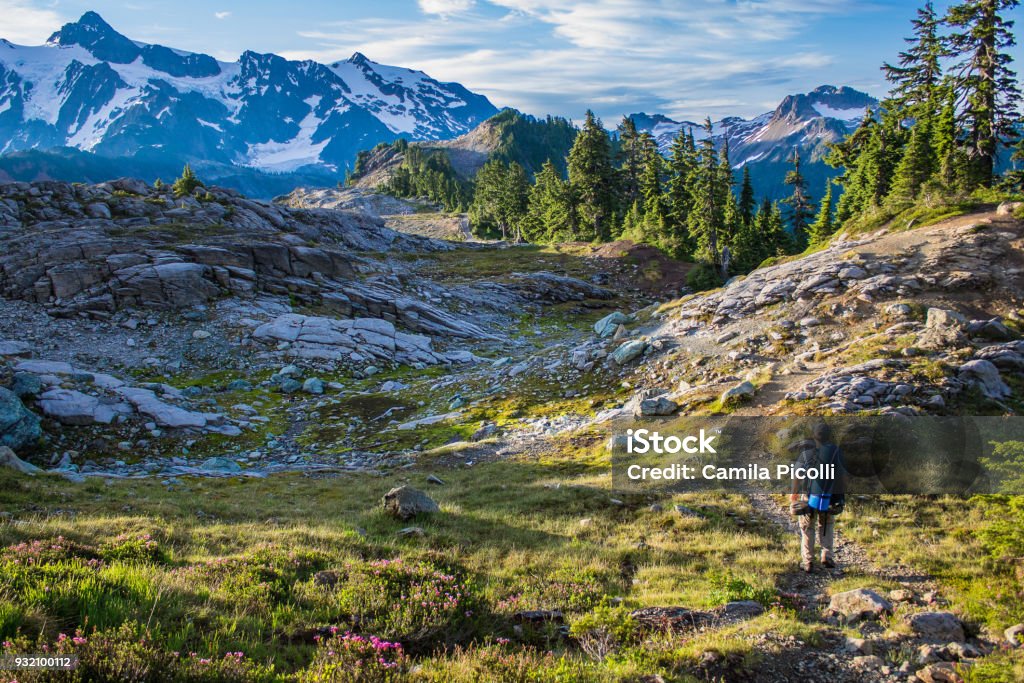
{"x": 818, "y": 501}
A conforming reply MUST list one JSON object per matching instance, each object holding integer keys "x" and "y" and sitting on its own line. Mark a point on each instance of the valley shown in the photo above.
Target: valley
{"x": 225, "y": 389}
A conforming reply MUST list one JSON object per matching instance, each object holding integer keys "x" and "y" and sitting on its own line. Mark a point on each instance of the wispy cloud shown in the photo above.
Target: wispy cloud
{"x": 682, "y": 57}
{"x": 222, "y": 15}
{"x": 445, "y": 7}
{"x": 26, "y": 24}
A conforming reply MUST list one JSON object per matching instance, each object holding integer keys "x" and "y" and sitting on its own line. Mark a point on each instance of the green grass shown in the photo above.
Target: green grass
{"x": 229, "y": 565}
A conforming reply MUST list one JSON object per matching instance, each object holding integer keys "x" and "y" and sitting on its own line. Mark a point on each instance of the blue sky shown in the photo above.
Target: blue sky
{"x": 683, "y": 58}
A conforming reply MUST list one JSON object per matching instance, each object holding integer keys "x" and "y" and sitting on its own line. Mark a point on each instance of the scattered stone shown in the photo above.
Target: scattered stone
{"x": 939, "y": 627}
{"x": 220, "y": 465}
{"x": 313, "y": 385}
{"x": 985, "y": 376}
{"x": 868, "y": 663}
{"x": 901, "y": 595}
{"x": 1015, "y": 635}
{"x": 629, "y": 351}
{"x": 9, "y": 460}
{"x": 943, "y": 328}
{"x": 289, "y": 385}
{"x": 737, "y": 393}
{"x": 727, "y": 336}
{"x": 861, "y": 603}
{"x": 405, "y": 502}
{"x": 660, "y": 406}
{"x": 606, "y": 326}
{"x": 434, "y": 479}
{"x": 943, "y": 672}
{"x": 239, "y": 385}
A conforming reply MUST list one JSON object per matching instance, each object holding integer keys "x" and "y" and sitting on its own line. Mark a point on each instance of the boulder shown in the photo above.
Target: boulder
{"x": 405, "y": 502}
{"x": 984, "y": 375}
{"x": 220, "y": 465}
{"x": 738, "y": 392}
{"x": 858, "y": 604}
{"x": 943, "y": 328}
{"x": 660, "y": 406}
{"x": 313, "y": 385}
{"x": 9, "y": 460}
{"x": 629, "y": 351}
{"x": 19, "y": 428}
{"x": 606, "y": 326}
{"x": 943, "y": 672}
{"x": 937, "y": 627}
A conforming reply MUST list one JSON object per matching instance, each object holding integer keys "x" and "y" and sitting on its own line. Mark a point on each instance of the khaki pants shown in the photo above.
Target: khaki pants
{"x": 823, "y": 524}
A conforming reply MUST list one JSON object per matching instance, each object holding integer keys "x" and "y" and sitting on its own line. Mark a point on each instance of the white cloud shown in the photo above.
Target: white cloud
{"x": 222, "y": 15}
{"x": 684, "y": 58}
{"x": 26, "y": 24}
{"x": 445, "y": 7}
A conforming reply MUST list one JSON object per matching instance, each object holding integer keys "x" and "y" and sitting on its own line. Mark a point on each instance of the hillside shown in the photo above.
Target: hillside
{"x": 508, "y": 136}
{"x": 214, "y": 403}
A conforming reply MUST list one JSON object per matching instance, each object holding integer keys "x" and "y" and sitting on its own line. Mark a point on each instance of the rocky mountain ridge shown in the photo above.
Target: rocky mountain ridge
{"x": 93, "y": 89}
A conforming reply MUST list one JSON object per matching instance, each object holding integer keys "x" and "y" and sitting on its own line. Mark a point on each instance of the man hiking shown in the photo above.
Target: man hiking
{"x": 818, "y": 501}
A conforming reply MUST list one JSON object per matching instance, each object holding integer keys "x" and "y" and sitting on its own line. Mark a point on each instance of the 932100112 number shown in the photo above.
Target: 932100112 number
{"x": 38, "y": 662}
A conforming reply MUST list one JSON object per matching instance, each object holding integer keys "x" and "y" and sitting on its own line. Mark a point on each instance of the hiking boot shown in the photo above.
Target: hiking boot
{"x": 806, "y": 567}
{"x": 828, "y": 564}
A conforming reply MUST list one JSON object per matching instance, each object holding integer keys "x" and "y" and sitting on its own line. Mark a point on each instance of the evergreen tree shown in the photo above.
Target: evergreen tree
{"x": 747, "y": 203}
{"x": 919, "y": 71}
{"x": 550, "y": 212}
{"x": 187, "y": 183}
{"x": 630, "y": 160}
{"x": 591, "y": 177}
{"x": 651, "y": 190}
{"x": 501, "y": 198}
{"x": 679, "y": 198}
{"x": 985, "y": 82}
{"x": 917, "y": 165}
{"x": 801, "y": 208}
{"x": 824, "y": 225}
{"x": 730, "y": 210}
{"x": 707, "y": 217}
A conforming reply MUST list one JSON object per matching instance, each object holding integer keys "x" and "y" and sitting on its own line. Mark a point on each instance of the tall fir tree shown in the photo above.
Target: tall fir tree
{"x": 630, "y": 160}
{"x": 919, "y": 71}
{"x": 592, "y": 179}
{"x": 550, "y": 215}
{"x": 824, "y": 225}
{"x": 679, "y": 199}
{"x": 980, "y": 38}
{"x": 747, "y": 202}
{"x": 917, "y": 165}
{"x": 706, "y": 218}
{"x": 801, "y": 207}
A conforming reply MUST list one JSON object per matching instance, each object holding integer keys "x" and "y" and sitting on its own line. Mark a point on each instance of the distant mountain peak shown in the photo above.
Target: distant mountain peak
{"x": 98, "y": 37}
{"x": 262, "y": 112}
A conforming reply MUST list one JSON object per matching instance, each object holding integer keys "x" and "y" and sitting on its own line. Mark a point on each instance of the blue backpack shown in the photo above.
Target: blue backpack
{"x": 820, "y": 494}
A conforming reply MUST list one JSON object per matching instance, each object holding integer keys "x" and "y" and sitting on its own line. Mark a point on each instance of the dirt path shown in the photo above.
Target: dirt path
{"x": 833, "y": 659}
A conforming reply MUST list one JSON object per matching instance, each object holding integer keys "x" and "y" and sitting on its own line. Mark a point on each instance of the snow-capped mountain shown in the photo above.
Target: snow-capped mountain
{"x": 93, "y": 89}
{"x": 804, "y": 123}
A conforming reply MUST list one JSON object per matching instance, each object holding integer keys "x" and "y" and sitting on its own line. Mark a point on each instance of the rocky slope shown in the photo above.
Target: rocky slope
{"x": 168, "y": 340}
